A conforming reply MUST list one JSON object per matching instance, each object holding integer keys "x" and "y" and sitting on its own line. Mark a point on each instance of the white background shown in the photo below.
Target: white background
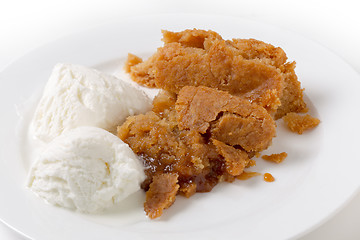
{"x": 28, "y": 24}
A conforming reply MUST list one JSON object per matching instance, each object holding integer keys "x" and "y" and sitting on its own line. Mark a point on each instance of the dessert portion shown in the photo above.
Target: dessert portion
{"x": 79, "y": 96}
{"x": 86, "y": 169}
{"x": 192, "y": 141}
{"x": 216, "y": 111}
{"x": 249, "y": 68}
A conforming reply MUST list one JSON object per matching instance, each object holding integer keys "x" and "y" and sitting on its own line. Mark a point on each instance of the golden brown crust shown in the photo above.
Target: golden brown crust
{"x": 161, "y": 194}
{"x": 230, "y": 119}
{"x": 244, "y": 67}
{"x": 219, "y": 67}
{"x": 292, "y": 95}
{"x": 143, "y": 72}
{"x": 164, "y": 101}
{"x": 132, "y": 60}
{"x": 300, "y": 123}
{"x": 198, "y": 57}
{"x": 235, "y": 159}
{"x": 189, "y": 38}
{"x": 276, "y": 157}
{"x": 188, "y": 189}
{"x": 255, "y": 49}
{"x": 292, "y": 98}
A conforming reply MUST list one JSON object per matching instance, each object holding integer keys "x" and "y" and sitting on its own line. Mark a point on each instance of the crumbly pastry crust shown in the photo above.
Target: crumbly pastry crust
{"x": 215, "y": 112}
{"x": 249, "y": 68}
{"x": 299, "y": 123}
{"x": 276, "y": 157}
{"x": 187, "y": 136}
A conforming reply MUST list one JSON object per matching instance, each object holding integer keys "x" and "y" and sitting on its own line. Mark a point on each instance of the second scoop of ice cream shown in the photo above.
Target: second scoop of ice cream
{"x": 86, "y": 169}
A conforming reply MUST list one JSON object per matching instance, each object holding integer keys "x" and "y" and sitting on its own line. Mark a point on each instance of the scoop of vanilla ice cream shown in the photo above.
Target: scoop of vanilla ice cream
{"x": 79, "y": 96}
{"x": 87, "y": 169}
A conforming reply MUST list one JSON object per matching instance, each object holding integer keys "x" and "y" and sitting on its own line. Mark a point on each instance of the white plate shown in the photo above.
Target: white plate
{"x": 319, "y": 176}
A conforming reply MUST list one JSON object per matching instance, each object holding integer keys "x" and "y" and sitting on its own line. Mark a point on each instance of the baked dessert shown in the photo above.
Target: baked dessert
{"x": 192, "y": 141}
{"x": 248, "y": 68}
{"x": 215, "y": 112}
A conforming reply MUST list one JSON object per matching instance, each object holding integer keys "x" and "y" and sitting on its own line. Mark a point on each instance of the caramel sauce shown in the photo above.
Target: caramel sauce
{"x": 107, "y": 167}
{"x": 268, "y": 177}
{"x": 247, "y": 175}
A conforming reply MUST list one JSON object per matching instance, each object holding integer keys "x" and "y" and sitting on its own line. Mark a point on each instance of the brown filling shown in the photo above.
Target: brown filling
{"x": 213, "y": 114}
{"x": 184, "y": 136}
